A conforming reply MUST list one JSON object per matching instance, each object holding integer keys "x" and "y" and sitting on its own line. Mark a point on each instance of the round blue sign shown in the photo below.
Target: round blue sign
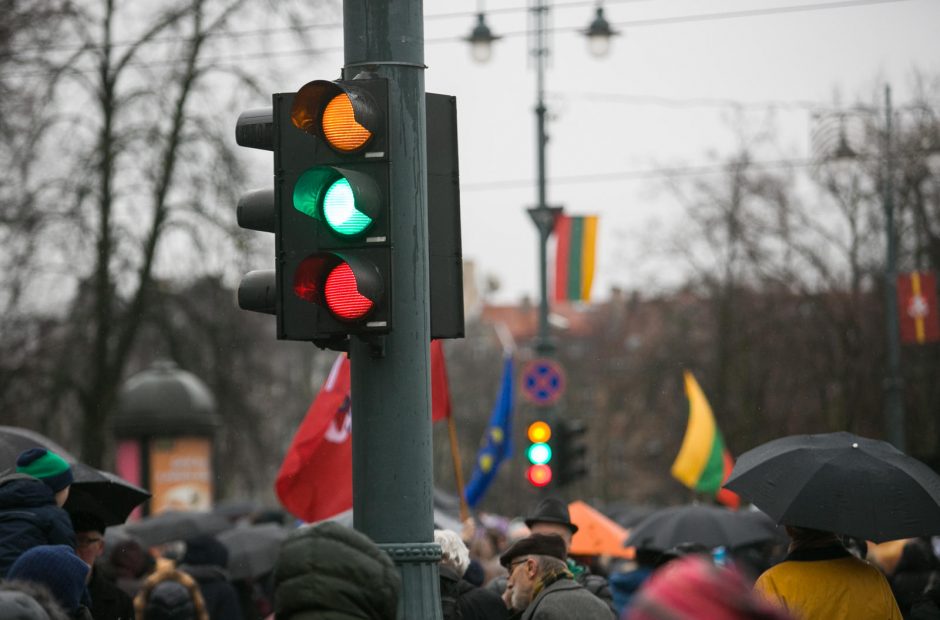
{"x": 543, "y": 381}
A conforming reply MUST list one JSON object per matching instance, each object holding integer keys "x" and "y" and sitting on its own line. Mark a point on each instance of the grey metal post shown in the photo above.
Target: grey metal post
{"x": 894, "y": 386}
{"x": 391, "y": 395}
{"x": 542, "y": 215}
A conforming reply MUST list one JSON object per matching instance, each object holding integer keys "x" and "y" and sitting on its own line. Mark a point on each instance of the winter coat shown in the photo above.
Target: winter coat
{"x": 217, "y": 591}
{"x": 564, "y": 599}
{"x": 156, "y": 602}
{"x": 29, "y": 517}
{"x": 624, "y": 585}
{"x": 332, "y": 572}
{"x": 108, "y": 602}
{"x": 910, "y": 576}
{"x": 595, "y": 584}
{"x": 461, "y": 600}
{"x": 829, "y": 583}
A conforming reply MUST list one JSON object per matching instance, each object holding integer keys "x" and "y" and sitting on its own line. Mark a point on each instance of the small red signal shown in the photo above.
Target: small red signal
{"x": 342, "y": 294}
{"x": 539, "y": 475}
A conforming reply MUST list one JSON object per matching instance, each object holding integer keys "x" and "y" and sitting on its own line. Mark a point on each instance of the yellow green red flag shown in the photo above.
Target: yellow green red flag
{"x": 703, "y": 463}
{"x": 576, "y": 240}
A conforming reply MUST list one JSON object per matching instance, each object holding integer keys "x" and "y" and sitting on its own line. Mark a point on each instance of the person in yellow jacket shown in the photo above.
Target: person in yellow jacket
{"x": 820, "y": 579}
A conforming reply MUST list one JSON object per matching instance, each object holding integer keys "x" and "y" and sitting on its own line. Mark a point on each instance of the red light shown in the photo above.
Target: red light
{"x": 539, "y": 475}
{"x": 342, "y": 295}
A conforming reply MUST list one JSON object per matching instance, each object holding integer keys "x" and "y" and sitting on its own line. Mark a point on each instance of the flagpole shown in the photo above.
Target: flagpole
{"x": 458, "y": 469}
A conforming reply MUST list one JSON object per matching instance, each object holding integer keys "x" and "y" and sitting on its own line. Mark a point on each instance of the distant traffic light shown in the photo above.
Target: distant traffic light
{"x": 570, "y": 450}
{"x": 539, "y": 454}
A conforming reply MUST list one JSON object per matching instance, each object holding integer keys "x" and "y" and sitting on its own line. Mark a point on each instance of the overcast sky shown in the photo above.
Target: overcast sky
{"x": 663, "y": 98}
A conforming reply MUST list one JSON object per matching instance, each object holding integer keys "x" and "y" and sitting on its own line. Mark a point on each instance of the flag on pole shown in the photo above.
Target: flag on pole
{"x": 315, "y": 479}
{"x": 703, "y": 463}
{"x": 917, "y": 305}
{"x": 576, "y": 239}
{"x": 497, "y": 442}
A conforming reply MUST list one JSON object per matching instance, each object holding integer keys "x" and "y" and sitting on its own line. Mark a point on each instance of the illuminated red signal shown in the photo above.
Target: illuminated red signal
{"x": 342, "y": 294}
{"x": 539, "y": 475}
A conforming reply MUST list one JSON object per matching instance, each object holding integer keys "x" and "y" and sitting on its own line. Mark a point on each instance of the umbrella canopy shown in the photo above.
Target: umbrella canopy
{"x": 253, "y": 549}
{"x": 843, "y": 483}
{"x": 596, "y": 535}
{"x": 694, "y": 523}
{"x": 14, "y": 440}
{"x": 101, "y": 493}
{"x": 172, "y": 525}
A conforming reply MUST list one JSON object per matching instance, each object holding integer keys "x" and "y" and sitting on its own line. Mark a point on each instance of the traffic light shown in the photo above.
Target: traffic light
{"x": 570, "y": 451}
{"x": 539, "y": 453}
{"x": 333, "y": 211}
{"x": 258, "y": 290}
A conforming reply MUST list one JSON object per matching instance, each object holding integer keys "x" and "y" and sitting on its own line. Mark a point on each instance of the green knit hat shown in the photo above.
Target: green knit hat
{"x": 47, "y": 466}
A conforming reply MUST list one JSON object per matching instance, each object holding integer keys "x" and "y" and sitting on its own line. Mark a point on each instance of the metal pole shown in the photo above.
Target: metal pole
{"x": 391, "y": 394}
{"x": 894, "y": 383}
{"x": 542, "y": 215}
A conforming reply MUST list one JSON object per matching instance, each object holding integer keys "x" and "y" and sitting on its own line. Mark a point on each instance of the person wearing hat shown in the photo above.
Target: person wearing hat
{"x": 540, "y": 586}
{"x": 108, "y": 601}
{"x": 551, "y": 516}
{"x": 31, "y": 502}
{"x": 58, "y": 568}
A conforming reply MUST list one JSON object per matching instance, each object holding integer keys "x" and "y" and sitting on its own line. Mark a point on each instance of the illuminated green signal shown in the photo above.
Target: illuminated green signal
{"x": 539, "y": 453}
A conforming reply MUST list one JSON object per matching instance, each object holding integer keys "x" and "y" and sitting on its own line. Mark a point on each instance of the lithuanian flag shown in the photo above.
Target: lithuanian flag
{"x": 576, "y": 238}
{"x": 703, "y": 463}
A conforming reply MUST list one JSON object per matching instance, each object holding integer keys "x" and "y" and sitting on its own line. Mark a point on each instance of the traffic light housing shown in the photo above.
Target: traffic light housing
{"x": 331, "y": 209}
{"x": 539, "y": 454}
{"x": 570, "y": 450}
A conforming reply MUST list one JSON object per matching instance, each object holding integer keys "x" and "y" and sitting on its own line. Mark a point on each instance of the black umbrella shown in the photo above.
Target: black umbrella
{"x": 104, "y": 494}
{"x": 694, "y": 523}
{"x": 839, "y": 482}
{"x": 15, "y": 440}
{"x": 101, "y": 493}
{"x": 253, "y": 549}
{"x": 176, "y": 525}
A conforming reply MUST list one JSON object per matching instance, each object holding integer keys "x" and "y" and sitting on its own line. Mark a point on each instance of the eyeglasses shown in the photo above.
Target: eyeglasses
{"x": 513, "y": 565}
{"x": 83, "y": 541}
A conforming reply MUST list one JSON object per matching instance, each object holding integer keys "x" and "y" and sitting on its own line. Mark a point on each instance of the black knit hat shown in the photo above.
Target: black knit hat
{"x": 551, "y": 510}
{"x": 58, "y": 568}
{"x": 536, "y": 544}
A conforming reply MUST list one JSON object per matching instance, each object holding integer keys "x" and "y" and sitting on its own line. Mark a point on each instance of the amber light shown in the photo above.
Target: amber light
{"x": 340, "y": 127}
{"x": 539, "y": 432}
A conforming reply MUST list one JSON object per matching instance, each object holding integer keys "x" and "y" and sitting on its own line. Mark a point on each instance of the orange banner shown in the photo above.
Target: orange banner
{"x": 181, "y": 474}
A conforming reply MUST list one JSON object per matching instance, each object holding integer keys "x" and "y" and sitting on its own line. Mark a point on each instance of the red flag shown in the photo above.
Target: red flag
{"x": 315, "y": 479}
{"x": 917, "y": 305}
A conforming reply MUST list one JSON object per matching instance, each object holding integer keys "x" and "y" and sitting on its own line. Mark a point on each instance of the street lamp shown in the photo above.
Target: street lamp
{"x": 543, "y": 216}
{"x": 893, "y": 384}
{"x": 599, "y": 33}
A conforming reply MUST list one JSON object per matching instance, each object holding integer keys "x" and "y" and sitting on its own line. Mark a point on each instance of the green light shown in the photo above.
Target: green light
{"x": 539, "y": 453}
{"x": 339, "y": 209}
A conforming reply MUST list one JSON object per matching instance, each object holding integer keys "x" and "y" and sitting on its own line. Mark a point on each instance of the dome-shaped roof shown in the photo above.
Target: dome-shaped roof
{"x": 165, "y": 400}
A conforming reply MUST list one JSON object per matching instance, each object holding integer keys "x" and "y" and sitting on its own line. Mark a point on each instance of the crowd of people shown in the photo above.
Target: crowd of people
{"x": 56, "y": 565}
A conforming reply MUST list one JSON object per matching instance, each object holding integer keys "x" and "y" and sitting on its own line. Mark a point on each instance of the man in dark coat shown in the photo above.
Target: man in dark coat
{"x": 460, "y": 599}
{"x": 108, "y": 602}
{"x": 551, "y": 516}
{"x": 31, "y": 505}
{"x": 206, "y": 561}
{"x": 541, "y": 585}
{"x": 332, "y": 572}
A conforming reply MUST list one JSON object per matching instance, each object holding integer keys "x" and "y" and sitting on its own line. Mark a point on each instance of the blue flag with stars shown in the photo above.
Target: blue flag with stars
{"x": 497, "y": 442}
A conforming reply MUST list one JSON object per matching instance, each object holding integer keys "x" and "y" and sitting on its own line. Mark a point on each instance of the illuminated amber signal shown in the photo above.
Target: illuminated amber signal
{"x": 539, "y": 432}
{"x": 340, "y": 128}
